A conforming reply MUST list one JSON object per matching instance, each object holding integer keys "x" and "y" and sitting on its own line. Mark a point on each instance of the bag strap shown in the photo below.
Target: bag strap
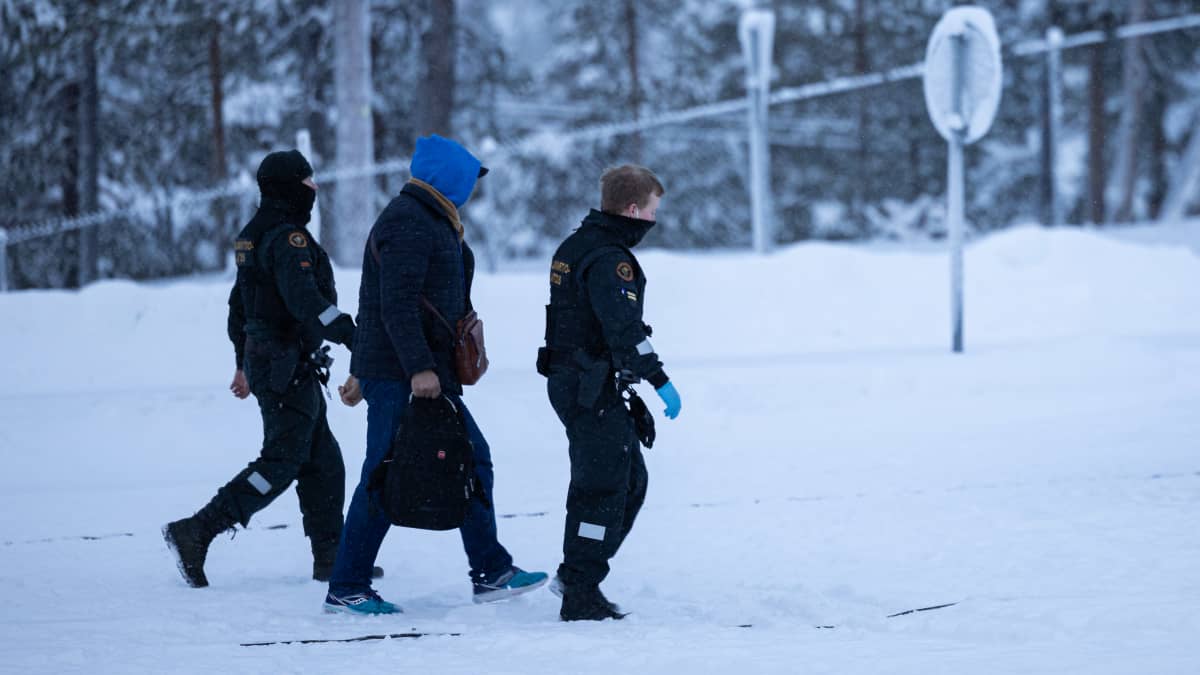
{"x": 424, "y": 301}
{"x": 429, "y": 306}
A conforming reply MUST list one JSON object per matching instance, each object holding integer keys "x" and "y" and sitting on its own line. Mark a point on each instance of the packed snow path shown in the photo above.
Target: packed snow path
{"x": 834, "y": 464}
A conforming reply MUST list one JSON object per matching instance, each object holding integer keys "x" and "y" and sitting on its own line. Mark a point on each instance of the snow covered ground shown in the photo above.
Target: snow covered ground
{"x": 834, "y": 464}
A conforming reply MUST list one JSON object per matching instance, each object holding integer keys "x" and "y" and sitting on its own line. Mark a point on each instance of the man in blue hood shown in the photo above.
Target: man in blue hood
{"x": 416, "y": 254}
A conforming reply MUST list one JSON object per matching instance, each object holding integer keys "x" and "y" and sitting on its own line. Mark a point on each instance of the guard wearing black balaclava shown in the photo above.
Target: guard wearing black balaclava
{"x": 282, "y": 307}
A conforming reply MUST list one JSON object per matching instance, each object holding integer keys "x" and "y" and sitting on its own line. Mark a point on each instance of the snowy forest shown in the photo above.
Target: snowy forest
{"x": 121, "y": 107}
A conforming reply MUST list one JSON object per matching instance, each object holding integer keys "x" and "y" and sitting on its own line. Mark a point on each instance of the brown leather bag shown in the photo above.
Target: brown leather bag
{"x": 470, "y": 354}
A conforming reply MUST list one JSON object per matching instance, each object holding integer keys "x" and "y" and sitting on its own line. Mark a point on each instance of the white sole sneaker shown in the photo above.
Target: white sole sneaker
{"x": 506, "y": 593}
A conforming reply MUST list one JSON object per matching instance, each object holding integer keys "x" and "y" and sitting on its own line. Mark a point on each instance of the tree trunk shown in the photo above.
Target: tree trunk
{"x": 1125, "y": 168}
{"x": 1096, "y": 132}
{"x": 354, "y": 204}
{"x": 435, "y": 92}
{"x": 862, "y": 65}
{"x": 1048, "y": 146}
{"x": 635, "y": 84}
{"x": 218, "y": 172}
{"x": 1186, "y": 182}
{"x": 315, "y": 115}
{"x": 70, "y": 175}
{"x": 1156, "y": 114}
{"x": 1051, "y": 117}
{"x": 89, "y": 149}
{"x": 69, "y": 180}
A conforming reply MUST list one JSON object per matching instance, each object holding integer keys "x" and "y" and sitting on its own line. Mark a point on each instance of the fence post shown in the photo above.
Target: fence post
{"x": 304, "y": 145}
{"x": 756, "y": 30}
{"x": 1052, "y": 211}
{"x": 3, "y": 261}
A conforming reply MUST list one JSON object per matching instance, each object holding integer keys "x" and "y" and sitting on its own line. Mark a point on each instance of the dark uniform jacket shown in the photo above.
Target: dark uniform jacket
{"x": 284, "y": 299}
{"x": 597, "y": 293}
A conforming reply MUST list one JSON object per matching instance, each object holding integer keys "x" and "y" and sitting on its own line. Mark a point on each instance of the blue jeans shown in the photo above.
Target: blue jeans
{"x": 367, "y": 525}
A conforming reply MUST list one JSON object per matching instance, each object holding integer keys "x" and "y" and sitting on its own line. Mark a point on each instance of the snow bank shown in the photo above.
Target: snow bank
{"x": 1022, "y": 285}
{"x": 833, "y": 464}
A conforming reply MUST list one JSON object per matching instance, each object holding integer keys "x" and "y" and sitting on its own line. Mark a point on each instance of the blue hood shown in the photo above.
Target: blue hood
{"x": 447, "y": 166}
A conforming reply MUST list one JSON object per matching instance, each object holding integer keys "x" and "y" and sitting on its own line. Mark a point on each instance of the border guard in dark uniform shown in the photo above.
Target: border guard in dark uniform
{"x": 282, "y": 307}
{"x": 597, "y": 347}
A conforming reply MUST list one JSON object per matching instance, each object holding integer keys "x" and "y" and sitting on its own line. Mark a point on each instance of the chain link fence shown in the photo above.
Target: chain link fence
{"x": 542, "y": 184}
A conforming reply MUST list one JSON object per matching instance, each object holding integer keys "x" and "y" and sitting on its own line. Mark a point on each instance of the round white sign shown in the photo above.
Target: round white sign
{"x": 963, "y": 74}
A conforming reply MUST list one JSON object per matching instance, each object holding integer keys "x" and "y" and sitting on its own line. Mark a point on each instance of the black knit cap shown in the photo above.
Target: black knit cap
{"x": 280, "y": 179}
{"x": 286, "y": 166}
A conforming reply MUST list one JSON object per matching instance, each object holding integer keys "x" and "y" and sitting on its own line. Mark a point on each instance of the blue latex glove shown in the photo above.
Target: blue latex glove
{"x": 670, "y": 396}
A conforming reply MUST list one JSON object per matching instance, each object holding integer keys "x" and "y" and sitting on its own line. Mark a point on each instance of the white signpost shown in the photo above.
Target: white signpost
{"x": 304, "y": 145}
{"x": 756, "y": 30}
{"x": 963, "y": 78}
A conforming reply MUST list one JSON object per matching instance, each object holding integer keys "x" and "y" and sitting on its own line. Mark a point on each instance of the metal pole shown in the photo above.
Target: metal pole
{"x": 1054, "y": 39}
{"x": 955, "y": 188}
{"x": 955, "y": 217}
{"x": 757, "y": 33}
{"x": 758, "y": 178}
{"x": 3, "y": 261}
{"x": 304, "y": 145}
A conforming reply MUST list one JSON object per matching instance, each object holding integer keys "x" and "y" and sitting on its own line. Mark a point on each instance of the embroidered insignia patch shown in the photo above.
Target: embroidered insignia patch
{"x": 560, "y": 266}
{"x": 628, "y": 294}
{"x": 298, "y": 240}
{"x": 556, "y": 278}
{"x": 625, "y": 271}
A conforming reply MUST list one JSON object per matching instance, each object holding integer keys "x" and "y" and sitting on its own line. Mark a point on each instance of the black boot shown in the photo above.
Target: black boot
{"x": 188, "y": 540}
{"x": 324, "y": 555}
{"x": 587, "y": 603}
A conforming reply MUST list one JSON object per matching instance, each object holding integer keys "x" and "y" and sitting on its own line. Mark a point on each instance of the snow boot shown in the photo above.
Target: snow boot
{"x": 324, "y": 555}
{"x": 587, "y": 603}
{"x": 511, "y": 583}
{"x": 188, "y": 541}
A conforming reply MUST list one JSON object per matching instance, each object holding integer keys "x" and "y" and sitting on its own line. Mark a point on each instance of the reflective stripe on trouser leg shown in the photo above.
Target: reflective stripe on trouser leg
{"x": 288, "y": 425}
{"x": 602, "y": 450}
{"x": 261, "y": 484}
{"x": 592, "y": 531}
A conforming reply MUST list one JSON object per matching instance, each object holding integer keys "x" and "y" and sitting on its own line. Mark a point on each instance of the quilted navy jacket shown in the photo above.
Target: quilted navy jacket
{"x": 415, "y": 250}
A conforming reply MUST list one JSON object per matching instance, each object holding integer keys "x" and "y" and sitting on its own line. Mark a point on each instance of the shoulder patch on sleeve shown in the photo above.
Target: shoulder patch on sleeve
{"x": 625, "y": 271}
{"x": 298, "y": 240}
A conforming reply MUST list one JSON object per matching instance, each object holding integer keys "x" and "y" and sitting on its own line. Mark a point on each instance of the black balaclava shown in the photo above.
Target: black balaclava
{"x": 280, "y": 179}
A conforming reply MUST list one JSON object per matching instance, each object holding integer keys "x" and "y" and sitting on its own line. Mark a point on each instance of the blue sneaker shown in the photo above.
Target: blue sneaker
{"x": 360, "y": 603}
{"x": 515, "y": 581}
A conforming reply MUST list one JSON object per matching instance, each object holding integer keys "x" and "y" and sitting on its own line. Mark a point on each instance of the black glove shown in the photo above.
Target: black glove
{"x": 341, "y": 331}
{"x": 634, "y": 367}
{"x": 643, "y": 421}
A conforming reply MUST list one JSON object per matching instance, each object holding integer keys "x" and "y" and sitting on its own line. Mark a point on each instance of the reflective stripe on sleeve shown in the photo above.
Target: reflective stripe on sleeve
{"x": 329, "y": 315}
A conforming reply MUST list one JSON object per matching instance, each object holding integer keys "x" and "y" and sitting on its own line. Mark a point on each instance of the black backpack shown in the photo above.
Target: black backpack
{"x": 428, "y": 480}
